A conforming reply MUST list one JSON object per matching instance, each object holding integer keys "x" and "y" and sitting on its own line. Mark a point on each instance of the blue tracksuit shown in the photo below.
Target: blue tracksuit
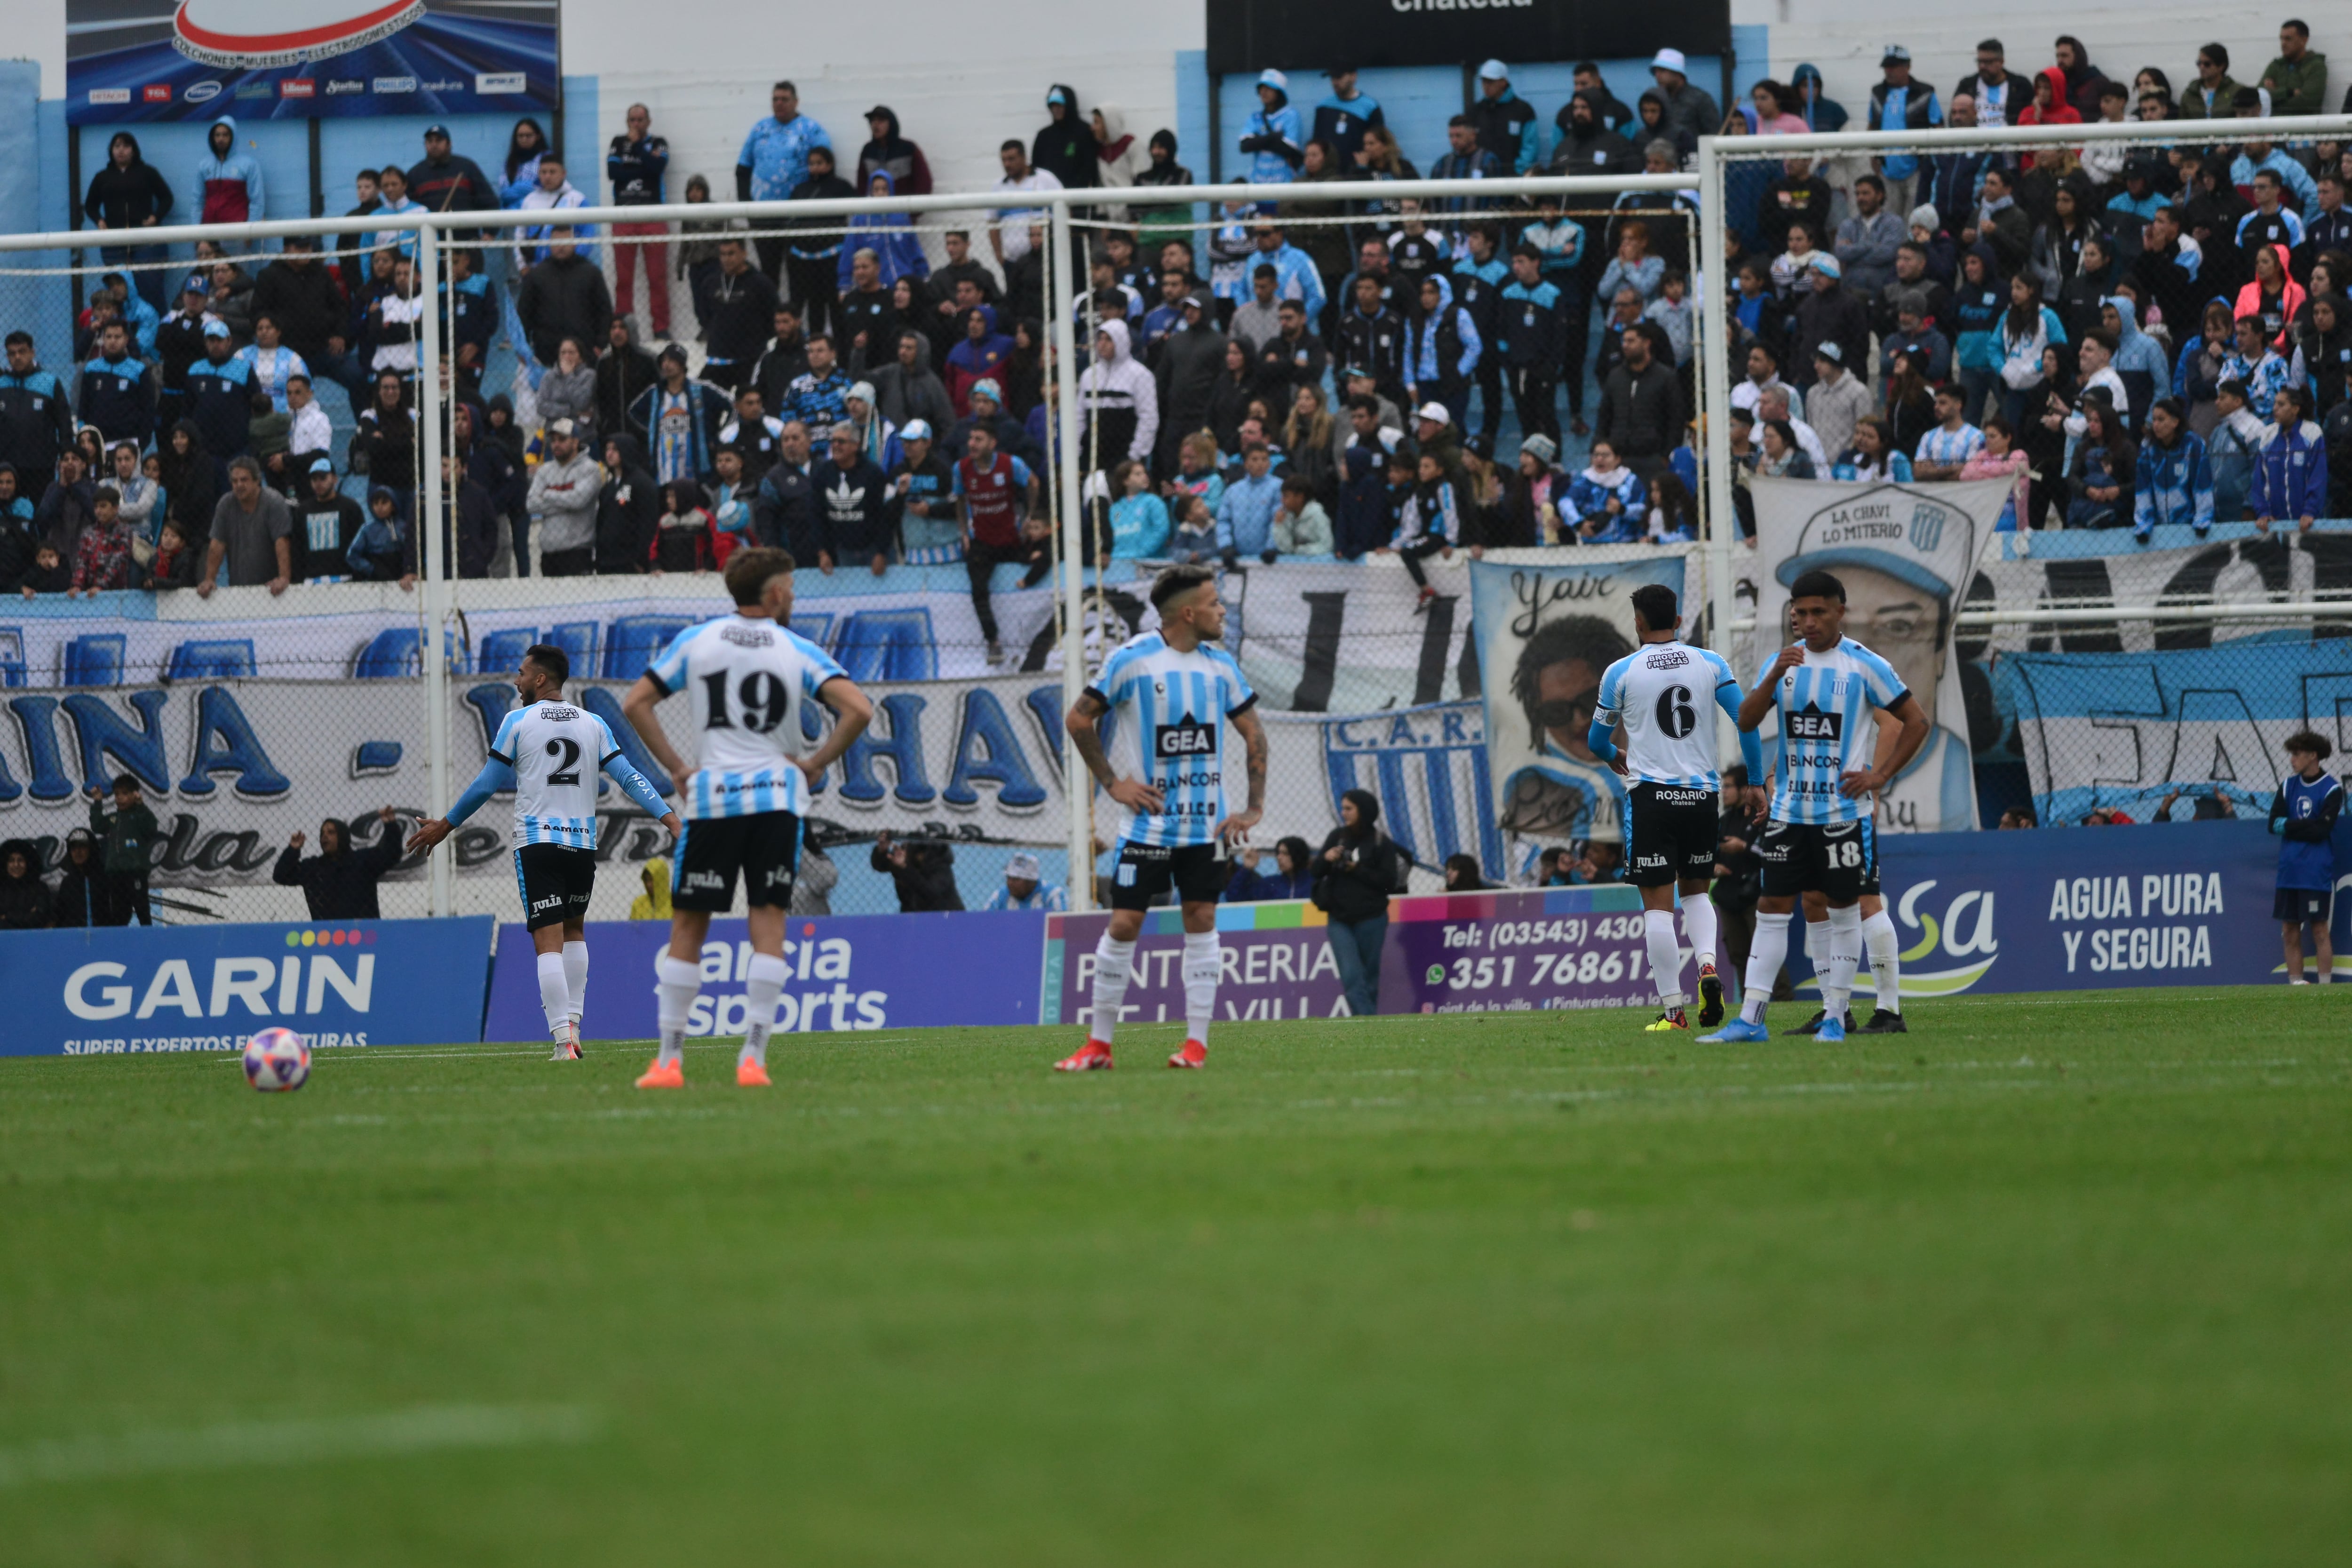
{"x": 2291, "y": 473}
{"x": 2173, "y": 486}
{"x": 119, "y": 397}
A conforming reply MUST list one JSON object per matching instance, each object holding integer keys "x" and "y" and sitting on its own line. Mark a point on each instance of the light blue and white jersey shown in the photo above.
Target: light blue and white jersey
{"x": 750, "y": 681}
{"x": 1664, "y": 696}
{"x": 557, "y": 753}
{"x": 1827, "y": 730}
{"x": 1168, "y": 723}
{"x": 1044, "y": 896}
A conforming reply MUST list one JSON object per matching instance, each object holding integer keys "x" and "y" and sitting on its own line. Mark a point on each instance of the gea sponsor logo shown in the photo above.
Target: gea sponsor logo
{"x": 155, "y": 92}
{"x": 201, "y": 91}
{"x": 298, "y": 86}
{"x": 110, "y": 95}
{"x": 343, "y": 86}
{"x": 500, "y": 81}
{"x": 395, "y": 84}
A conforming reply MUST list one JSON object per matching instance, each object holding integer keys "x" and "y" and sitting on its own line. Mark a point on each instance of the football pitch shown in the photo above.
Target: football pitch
{"x": 2049, "y": 1280}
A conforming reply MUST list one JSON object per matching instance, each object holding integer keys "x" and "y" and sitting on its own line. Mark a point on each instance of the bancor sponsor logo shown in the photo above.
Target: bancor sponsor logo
{"x": 240, "y": 987}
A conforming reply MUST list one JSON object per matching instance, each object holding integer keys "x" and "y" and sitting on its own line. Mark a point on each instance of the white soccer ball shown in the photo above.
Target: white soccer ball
{"x": 277, "y": 1060}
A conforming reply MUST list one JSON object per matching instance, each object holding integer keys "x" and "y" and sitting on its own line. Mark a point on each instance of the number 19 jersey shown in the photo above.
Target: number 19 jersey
{"x": 1168, "y": 723}
{"x": 1827, "y": 730}
{"x": 1664, "y": 695}
{"x": 750, "y": 681}
{"x": 557, "y": 751}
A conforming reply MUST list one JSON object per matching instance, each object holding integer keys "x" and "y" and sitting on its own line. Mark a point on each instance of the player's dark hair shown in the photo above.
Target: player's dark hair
{"x": 749, "y": 572}
{"x": 1817, "y": 585}
{"x": 552, "y": 661}
{"x": 1656, "y": 605}
{"x": 2310, "y": 740}
{"x": 1586, "y": 638}
{"x": 1178, "y": 580}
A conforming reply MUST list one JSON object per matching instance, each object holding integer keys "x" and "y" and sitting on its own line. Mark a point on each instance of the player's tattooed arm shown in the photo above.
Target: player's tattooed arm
{"x": 1254, "y": 753}
{"x": 1085, "y": 733}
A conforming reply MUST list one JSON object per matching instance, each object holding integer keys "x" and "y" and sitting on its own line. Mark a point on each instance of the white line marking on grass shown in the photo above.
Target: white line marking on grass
{"x": 424, "y": 1429}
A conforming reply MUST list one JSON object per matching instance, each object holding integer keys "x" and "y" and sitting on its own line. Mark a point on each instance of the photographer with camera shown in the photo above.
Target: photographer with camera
{"x": 924, "y": 869}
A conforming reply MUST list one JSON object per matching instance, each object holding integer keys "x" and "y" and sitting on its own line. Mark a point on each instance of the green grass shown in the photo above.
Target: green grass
{"x": 2050, "y": 1280}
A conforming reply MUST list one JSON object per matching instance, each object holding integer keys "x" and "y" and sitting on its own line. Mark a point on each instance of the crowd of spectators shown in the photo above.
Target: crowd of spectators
{"x": 2131, "y": 336}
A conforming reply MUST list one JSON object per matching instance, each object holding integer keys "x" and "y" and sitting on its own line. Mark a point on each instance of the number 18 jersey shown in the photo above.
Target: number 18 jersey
{"x": 1663, "y": 694}
{"x": 557, "y": 751}
{"x": 1827, "y": 730}
{"x": 750, "y": 681}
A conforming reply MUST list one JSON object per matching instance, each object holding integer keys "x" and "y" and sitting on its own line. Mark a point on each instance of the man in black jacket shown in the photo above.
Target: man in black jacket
{"x": 924, "y": 872}
{"x": 446, "y": 182}
{"x": 1190, "y": 360}
{"x": 628, "y": 508}
{"x": 851, "y": 492}
{"x": 326, "y": 520}
{"x": 1641, "y": 405}
{"x": 784, "y": 512}
{"x": 740, "y": 307}
{"x": 339, "y": 883}
{"x": 565, "y": 297}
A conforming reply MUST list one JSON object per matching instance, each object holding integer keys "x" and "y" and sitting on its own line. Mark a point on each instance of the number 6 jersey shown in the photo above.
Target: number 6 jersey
{"x": 557, "y": 751}
{"x": 750, "y": 681}
{"x": 1664, "y": 695}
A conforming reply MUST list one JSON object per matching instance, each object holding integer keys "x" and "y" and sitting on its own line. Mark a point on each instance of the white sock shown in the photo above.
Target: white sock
{"x": 554, "y": 996}
{"x": 1204, "y": 962}
{"x": 763, "y": 982}
{"x": 1817, "y": 952}
{"x": 677, "y": 981}
{"x": 1885, "y": 959}
{"x": 1845, "y": 957}
{"x": 1113, "y": 962}
{"x": 1765, "y": 956}
{"x": 1699, "y": 924}
{"x": 1665, "y": 956}
{"x": 575, "y": 977}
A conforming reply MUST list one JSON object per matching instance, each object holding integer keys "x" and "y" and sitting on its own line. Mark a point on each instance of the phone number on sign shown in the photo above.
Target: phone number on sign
{"x": 1593, "y": 966}
{"x": 1572, "y": 930}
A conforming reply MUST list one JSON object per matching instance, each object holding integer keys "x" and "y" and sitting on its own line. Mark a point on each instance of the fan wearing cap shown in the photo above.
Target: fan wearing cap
{"x": 447, "y": 180}
{"x": 1899, "y": 103}
{"x": 1024, "y": 889}
{"x": 919, "y": 507}
{"x": 1825, "y": 314}
{"x": 1504, "y": 123}
{"x": 1690, "y": 113}
{"x": 1274, "y": 138}
{"x": 220, "y": 394}
{"x": 326, "y": 521}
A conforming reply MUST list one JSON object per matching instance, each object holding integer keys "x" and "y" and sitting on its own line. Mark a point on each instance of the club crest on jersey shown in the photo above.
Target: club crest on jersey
{"x": 1188, "y": 738}
{"x": 1809, "y": 723}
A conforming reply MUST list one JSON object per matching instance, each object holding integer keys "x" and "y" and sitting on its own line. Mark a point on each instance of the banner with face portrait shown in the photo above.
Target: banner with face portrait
{"x": 1545, "y": 631}
{"x": 1904, "y": 553}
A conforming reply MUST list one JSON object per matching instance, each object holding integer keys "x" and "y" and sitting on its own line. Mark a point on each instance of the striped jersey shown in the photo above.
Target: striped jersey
{"x": 1168, "y": 723}
{"x": 1940, "y": 446}
{"x": 750, "y": 681}
{"x": 1827, "y": 730}
{"x": 1664, "y": 695}
{"x": 557, "y": 751}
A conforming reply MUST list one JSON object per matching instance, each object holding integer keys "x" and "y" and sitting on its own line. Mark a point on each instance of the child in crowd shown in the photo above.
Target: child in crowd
{"x": 2233, "y": 450}
{"x": 1999, "y": 459}
{"x": 686, "y": 538}
{"x": 730, "y": 502}
{"x": 1196, "y": 531}
{"x": 102, "y": 557}
{"x": 2303, "y": 816}
{"x": 1140, "y": 525}
{"x": 1671, "y": 310}
{"x": 376, "y": 554}
{"x": 177, "y": 561}
{"x": 1301, "y": 527}
{"x": 48, "y": 574}
{"x": 1429, "y": 523}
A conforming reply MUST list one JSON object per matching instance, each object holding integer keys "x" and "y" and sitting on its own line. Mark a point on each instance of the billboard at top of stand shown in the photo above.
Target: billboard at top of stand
{"x": 1249, "y": 35}
{"x": 294, "y": 59}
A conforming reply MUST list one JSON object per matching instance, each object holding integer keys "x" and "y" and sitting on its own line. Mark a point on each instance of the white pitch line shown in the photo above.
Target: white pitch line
{"x": 279, "y": 1443}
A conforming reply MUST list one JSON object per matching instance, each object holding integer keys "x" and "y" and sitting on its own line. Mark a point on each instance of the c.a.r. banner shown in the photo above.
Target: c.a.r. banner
{"x": 208, "y": 988}
{"x": 2127, "y": 730}
{"x": 1545, "y": 631}
{"x": 848, "y": 972}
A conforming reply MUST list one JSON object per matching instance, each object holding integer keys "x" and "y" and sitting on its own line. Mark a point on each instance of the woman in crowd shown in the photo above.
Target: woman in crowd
{"x": 1781, "y": 456}
{"x": 2103, "y": 473}
{"x": 1999, "y": 459}
{"x": 1874, "y": 455}
{"x": 2196, "y": 374}
{"x": 1355, "y": 873}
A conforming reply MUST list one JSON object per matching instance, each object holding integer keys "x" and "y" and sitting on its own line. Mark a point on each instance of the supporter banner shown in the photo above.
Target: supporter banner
{"x": 1248, "y": 35}
{"x": 2125, "y": 730}
{"x": 130, "y": 60}
{"x": 1277, "y": 964}
{"x": 177, "y": 988}
{"x": 849, "y": 972}
{"x": 1546, "y": 631}
{"x": 1427, "y": 767}
{"x": 1905, "y": 554}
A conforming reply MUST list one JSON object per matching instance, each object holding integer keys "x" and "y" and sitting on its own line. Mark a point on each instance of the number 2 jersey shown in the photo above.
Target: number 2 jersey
{"x": 1827, "y": 730}
{"x": 557, "y": 753}
{"x": 1664, "y": 695}
{"x": 1168, "y": 724}
{"x": 750, "y": 681}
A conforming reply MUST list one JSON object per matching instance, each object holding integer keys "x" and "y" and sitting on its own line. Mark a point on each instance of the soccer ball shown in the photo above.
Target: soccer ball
{"x": 277, "y": 1060}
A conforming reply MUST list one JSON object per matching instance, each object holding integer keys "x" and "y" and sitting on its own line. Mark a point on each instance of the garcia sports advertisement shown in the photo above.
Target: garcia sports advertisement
{"x": 291, "y": 59}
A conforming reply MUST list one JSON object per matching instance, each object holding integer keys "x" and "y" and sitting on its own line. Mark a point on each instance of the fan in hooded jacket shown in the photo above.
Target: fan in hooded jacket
{"x": 1119, "y": 399}
{"x": 1275, "y": 137}
{"x": 1064, "y": 147}
{"x": 890, "y": 153}
{"x": 228, "y": 182}
{"x": 889, "y": 235}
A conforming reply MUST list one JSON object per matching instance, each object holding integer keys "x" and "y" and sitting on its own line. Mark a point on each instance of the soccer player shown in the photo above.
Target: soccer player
{"x": 1673, "y": 817}
{"x": 2304, "y": 815}
{"x": 1170, "y": 693}
{"x": 749, "y": 678}
{"x": 1819, "y": 836}
{"x": 538, "y": 753}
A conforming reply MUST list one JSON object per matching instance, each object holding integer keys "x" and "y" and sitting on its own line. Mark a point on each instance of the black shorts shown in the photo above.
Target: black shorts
{"x": 765, "y": 847}
{"x": 1837, "y": 860}
{"x": 1670, "y": 834}
{"x": 2303, "y": 905}
{"x": 1199, "y": 872}
{"x": 555, "y": 882}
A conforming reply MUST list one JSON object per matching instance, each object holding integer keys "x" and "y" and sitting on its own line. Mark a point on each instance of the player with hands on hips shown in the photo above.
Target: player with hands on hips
{"x": 549, "y": 753}
{"x": 1171, "y": 692}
